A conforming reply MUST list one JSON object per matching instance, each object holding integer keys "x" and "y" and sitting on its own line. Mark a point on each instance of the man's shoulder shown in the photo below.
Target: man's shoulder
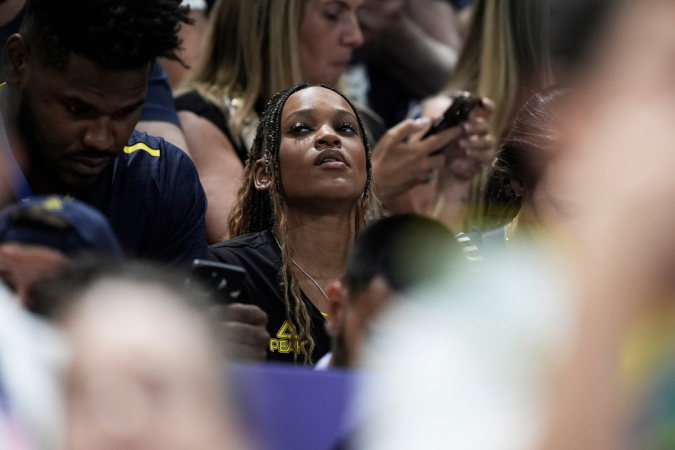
{"x": 150, "y": 152}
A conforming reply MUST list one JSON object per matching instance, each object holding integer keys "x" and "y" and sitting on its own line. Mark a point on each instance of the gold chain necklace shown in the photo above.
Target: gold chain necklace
{"x": 303, "y": 270}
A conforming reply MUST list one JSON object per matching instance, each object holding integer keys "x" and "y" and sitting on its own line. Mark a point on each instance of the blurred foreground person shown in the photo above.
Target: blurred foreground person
{"x": 517, "y": 205}
{"x": 33, "y": 360}
{"x": 147, "y": 364}
{"x": 390, "y": 257}
{"x": 70, "y": 106}
{"x": 39, "y": 237}
{"x": 617, "y": 391}
{"x": 307, "y": 191}
{"x": 486, "y": 349}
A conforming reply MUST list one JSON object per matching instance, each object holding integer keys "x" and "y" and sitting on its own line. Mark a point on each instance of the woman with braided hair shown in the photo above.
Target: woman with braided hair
{"x": 306, "y": 192}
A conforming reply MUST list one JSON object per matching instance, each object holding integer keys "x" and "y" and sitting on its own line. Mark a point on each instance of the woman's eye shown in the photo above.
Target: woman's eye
{"x": 299, "y": 127}
{"x": 332, "y": 14}
{"x": 347, "y": 127}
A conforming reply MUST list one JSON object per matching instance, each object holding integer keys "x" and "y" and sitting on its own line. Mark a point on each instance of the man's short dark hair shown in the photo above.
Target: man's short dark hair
{"x": 115, "y": 34}
{"x": 406, "y": 250}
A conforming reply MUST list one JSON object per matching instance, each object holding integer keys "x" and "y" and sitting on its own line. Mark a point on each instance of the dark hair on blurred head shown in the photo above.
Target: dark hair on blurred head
{"x": 54, "y": 297}
{"x": 116, "y": 34}
{"x": 408, "y": 251}
{"x": 534, "y": 137}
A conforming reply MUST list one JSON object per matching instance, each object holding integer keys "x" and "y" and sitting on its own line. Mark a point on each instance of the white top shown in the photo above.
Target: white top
{"x": 33, "y": 356}
{"x": 195, "y": 5}
{"x": 324, "y": 362}
{"x": 471, "y": 364}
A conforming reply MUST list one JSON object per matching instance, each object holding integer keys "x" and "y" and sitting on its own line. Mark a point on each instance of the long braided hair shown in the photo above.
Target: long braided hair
{"x": 535, "y": 136}
{"x": 255, "y": 211}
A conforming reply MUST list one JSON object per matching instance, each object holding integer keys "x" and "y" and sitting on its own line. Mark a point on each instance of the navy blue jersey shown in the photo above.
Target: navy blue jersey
{"x": 159, "y": 105}
{"x": 154, "y": 201}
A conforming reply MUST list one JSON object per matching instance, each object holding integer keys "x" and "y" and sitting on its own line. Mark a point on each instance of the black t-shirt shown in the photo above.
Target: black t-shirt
{"x": 260, "y": 256}
{"x": 192, "y": 101}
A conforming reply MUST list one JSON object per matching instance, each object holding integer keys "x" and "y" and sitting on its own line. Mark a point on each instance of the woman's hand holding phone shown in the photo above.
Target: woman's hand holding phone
{"x": 401, "y": 160}
{"x": 475, "y": 148}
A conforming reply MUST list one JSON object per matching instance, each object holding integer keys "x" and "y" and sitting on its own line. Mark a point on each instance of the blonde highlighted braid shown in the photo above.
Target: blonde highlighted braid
{"x": 255, "y": 211}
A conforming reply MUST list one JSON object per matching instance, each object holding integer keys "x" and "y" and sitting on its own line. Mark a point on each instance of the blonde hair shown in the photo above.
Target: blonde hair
{"x": 507, "y": 43}
{"x": 255, "y": 210}
{"x": 249, "y": 50}
{"x": 506, "y": 59}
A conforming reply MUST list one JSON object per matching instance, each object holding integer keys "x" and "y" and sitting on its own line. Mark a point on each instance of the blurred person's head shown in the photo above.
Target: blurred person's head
{"x": 40, "y": 236}
{"x": 77, "y": 76}
{"x": 391, "y": 256}
{"x": 525, "y": 157}
{"x": 506, "y": 55}
{"x": 577, "y": 26}
{"x": 255, "y": 48}
{"x": 310, "y": 155}
{"x": 147, "y": 363}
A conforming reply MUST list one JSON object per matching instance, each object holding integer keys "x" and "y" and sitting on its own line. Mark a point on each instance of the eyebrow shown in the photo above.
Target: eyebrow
{"x": 302, "y": 112}
{"x": 76, "y": 99}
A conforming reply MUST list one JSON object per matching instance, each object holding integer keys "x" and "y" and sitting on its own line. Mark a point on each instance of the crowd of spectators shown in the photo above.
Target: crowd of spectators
{"x": 195, "y": 189}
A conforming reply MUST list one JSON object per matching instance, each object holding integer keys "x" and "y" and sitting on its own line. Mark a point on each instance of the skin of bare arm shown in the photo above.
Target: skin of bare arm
{"x": 445, "y": 198}
{"x": 219, "y": 170}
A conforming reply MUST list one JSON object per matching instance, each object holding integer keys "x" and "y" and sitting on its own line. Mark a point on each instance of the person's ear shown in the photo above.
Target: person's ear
{"x": 518, "y": 186}
{"x": 261, "y": 176}
{"x": 337, "y": 298}
{"x": 16, "y": 60}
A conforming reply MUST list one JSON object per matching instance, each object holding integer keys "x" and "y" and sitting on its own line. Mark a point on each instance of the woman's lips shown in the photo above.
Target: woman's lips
{"x": 331, "y": 159}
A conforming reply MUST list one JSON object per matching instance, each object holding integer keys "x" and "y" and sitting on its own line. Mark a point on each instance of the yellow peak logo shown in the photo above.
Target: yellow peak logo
{"x": 287, "y": 340}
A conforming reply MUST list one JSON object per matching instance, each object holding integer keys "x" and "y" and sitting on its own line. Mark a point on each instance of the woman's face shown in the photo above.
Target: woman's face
{"x": 322, "y": 159}
{"x": 329, "y": 32}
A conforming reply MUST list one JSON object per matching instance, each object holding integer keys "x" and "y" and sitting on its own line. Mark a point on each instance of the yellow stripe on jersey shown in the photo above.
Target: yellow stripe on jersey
{"x": 141, "y": 146}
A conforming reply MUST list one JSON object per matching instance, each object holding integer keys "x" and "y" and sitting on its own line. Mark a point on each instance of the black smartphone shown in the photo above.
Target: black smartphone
{"x": 223, "y": 282}
{"x": 459, "y": 111}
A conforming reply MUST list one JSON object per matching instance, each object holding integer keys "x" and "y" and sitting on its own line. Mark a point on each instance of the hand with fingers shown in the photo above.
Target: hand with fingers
{"x": 401, "y": 160}
{"x": 245, "y": 331}
{"x": 476, "y": 147}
